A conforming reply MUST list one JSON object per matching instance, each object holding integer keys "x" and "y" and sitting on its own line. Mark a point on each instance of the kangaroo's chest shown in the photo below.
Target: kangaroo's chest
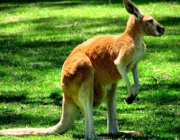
{"x": 139, "y": 52}
{"x": 137, "y": 56}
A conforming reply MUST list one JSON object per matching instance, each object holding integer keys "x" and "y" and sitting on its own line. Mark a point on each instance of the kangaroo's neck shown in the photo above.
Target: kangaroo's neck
{"x": 134, "y": 29}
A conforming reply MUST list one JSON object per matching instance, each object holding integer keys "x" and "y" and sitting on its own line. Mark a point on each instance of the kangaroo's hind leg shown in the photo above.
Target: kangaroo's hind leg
{"x": 86, "y": 96}
{"x": 112, "y": 122}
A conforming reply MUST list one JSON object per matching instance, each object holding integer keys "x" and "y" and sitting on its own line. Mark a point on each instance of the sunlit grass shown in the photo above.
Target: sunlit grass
{"x": 37, "y": 37}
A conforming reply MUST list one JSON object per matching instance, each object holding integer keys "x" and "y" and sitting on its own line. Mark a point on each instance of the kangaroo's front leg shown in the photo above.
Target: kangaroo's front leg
{"x": 123, "y": 72}
{"x": 136, "y": 79}
{"x": 132, "y": 97}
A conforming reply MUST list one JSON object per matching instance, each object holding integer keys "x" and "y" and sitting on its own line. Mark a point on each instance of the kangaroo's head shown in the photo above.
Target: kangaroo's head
{"x": 145, "y": 23}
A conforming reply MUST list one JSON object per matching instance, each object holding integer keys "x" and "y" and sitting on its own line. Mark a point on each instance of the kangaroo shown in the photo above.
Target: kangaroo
{"x": 92, "y": 70}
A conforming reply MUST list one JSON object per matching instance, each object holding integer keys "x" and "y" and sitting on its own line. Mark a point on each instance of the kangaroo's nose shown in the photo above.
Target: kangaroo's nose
{"x": 161, "y": 30}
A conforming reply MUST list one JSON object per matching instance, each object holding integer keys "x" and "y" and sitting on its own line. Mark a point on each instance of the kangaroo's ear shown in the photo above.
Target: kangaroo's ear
{"x": 132, "y": 8}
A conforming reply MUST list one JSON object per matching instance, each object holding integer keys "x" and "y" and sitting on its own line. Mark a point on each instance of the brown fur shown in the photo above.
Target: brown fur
{"x": 91, "y": 72}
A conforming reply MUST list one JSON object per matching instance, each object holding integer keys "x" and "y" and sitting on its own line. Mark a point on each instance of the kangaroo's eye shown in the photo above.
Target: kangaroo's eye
{"x": 150, "y": 21}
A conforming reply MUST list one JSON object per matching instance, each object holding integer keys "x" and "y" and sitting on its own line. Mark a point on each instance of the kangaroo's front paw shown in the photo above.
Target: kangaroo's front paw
{"x": 131, "y": 98}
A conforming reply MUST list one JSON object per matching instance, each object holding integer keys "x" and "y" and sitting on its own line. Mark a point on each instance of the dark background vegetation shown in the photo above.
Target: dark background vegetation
{"x": 83, "y": 1}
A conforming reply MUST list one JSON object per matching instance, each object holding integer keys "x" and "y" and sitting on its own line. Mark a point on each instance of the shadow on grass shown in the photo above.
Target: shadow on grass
{"x": 53, "y": 51}
{"x": 13, "y": 96}
{"x": 46, "y": 54}
{"x": 156, "y": 94}
{"x": 9, "y": 117}
{"x": 163, "y": 95}
{"x": 57, "y": 98}
{"x": 121, "y": 135}
{"x": 26, "y": 119}
{"x": 56, "y": 51}
{"x": 21, "y": 97}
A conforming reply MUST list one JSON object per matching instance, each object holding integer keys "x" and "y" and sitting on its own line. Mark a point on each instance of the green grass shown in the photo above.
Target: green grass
{"x": 36, "y": 38}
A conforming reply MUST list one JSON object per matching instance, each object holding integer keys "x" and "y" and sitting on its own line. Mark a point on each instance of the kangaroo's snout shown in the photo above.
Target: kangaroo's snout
{"x": 161, "y": 30}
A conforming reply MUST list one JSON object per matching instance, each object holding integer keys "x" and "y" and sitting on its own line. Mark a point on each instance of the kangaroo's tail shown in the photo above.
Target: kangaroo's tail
{"x": 69, "y": 113}
{"x": 28, "y": 131}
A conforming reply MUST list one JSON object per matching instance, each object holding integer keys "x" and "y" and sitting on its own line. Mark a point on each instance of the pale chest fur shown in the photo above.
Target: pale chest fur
{"x": 137, "y": 55}
{"x": 128, "y": 60}
{"x": 139, "y": 52}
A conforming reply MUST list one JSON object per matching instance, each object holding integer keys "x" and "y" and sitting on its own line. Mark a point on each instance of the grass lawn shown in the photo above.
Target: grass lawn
{"x": 36, "y": 38}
